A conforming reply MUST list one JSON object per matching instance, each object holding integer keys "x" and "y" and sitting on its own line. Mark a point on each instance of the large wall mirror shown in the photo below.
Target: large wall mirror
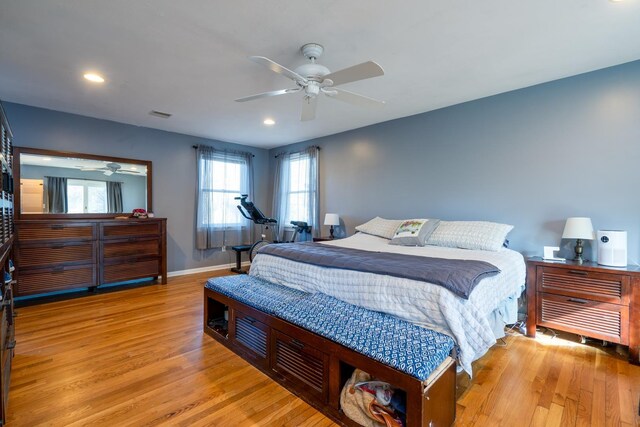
{"x": 64, "y": 184}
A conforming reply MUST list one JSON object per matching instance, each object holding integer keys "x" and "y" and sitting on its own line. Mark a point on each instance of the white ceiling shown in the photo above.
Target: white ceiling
{"x": 189, "y": 57}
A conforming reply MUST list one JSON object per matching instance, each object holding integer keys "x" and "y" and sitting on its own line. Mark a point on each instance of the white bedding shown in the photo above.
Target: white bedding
{"x": 425, "y": 304}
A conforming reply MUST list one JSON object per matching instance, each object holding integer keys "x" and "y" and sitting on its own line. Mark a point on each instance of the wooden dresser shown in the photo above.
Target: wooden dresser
{"x": 586, "y": 299}
{"x": 62, "y": 254}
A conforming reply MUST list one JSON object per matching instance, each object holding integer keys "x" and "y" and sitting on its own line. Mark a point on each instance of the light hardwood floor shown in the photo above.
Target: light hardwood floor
{"x": 139, "y": 357}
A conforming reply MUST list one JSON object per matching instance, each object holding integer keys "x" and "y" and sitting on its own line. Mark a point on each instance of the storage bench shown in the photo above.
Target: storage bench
{"x": 312, "y": 343}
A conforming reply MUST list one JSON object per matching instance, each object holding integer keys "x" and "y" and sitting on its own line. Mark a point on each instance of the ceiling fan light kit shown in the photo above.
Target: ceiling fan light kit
{"x": 314, "y": 79}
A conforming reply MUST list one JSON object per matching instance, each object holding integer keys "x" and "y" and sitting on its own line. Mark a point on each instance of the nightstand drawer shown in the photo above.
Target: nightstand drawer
{"x": 575, "y": 282}
{"x": 585, "y": 317}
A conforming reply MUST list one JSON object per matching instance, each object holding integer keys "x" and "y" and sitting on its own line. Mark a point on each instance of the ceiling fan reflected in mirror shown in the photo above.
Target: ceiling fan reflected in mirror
{"x": 314, "y": 79}
{"x": 110, "y": 169}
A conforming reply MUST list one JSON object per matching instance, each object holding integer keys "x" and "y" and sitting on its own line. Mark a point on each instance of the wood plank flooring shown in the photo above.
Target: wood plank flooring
{"x": 138, "y": 357}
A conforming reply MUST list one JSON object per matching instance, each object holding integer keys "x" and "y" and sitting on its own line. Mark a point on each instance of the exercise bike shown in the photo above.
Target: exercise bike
{"x": 252, "y": 213}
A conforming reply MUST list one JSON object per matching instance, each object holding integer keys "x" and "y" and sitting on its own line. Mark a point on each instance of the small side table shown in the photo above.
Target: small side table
{"x": 586, "y": 299}
{"x": 238, "y": 250}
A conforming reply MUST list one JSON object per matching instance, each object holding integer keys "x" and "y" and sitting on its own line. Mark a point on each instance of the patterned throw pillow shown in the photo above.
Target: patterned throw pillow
{"x": 414, "y": 232}
{"x": 482, "y": 235}
{"x": 380, "y": 227}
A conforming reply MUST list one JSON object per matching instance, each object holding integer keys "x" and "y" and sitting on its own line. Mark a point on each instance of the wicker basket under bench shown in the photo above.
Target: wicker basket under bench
{"x": 316, "y": 368}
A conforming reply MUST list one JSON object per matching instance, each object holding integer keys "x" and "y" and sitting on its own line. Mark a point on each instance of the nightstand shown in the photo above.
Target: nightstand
{"x": 586, "y": 299}
{"x": 324, "y": 239}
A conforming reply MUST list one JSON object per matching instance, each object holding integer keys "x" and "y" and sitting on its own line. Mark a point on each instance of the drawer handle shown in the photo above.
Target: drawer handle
{"x": 296, "y": 344}
{"x": 250, "y": 320}
{"x": 57, "y": 226}
{"x": 11, "y": 345}
{"x": 60, "y": 246}
{"x": 579, "y": 272}
{"x": 59, "y": 269}
{"x": 578, "y": 300}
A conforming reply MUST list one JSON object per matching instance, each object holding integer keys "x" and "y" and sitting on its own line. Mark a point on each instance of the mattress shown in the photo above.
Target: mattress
{"x": 468, "y": 322}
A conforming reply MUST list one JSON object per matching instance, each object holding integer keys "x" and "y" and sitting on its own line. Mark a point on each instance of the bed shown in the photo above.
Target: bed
{"x": 474, "y": 322}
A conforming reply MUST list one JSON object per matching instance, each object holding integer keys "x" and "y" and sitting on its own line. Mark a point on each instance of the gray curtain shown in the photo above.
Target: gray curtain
{"x": 114, "y": 197}
{"x": 55, "y": 194}
{"x": 296, "y": 191}
{"x": 222, "y": 176}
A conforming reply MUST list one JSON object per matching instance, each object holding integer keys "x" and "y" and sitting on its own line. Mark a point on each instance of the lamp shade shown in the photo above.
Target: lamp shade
{"x": 331, "y": 219}
{"x": 578, "y": 228}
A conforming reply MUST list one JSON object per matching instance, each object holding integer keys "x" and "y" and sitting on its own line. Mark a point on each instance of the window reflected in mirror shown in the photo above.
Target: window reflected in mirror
{"x": 51, "y": 184}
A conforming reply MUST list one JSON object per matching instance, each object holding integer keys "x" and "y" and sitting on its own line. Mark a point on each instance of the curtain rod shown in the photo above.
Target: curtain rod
{"x": 284, "y": 152}
{"x": 195, "y": 147}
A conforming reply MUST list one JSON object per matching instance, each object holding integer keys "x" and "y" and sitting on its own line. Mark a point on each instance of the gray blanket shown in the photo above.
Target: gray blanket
{"x": 457, "y": 275}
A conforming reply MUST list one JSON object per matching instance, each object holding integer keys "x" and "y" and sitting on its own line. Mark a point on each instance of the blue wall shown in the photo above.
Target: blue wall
{"x": 174, "y": 168}
{"x": 531, "y": 158}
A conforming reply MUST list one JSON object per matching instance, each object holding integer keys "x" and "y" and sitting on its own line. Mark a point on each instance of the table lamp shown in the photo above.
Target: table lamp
{"x": 331, "y": 219}
{"x": 580, "y": 229}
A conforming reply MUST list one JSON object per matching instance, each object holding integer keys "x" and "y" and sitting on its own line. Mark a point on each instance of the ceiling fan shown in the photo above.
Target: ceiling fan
{"x": 110, "y": 169}
{"x": 314, "y": 79}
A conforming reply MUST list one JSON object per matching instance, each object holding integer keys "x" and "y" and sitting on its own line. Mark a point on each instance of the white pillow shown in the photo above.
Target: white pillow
{"x": 414, "y": 232}
{"x": 380, "y": 227}
{"x": 482, "y": 235}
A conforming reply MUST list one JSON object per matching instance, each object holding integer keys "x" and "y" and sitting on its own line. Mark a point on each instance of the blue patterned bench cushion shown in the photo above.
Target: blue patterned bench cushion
{"x": 404, "y": 346}
{"x": 255, "y": 292}
{"x": 409, "y": 348}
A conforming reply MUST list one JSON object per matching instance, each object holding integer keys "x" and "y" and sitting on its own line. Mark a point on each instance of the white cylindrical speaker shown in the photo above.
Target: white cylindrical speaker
{"x": 612, "y": 248}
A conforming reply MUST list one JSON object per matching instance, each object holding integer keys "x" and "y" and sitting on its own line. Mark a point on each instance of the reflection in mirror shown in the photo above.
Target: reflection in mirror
{"x": 51, "y": 184}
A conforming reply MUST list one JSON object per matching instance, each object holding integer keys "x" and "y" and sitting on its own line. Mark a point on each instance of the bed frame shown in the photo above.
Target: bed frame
{"x": 315, "y": 368}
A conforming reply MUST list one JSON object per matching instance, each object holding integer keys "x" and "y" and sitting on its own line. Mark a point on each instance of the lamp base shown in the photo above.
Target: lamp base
{"x": 331, "y": 232}
{"x": 579, "y": 249}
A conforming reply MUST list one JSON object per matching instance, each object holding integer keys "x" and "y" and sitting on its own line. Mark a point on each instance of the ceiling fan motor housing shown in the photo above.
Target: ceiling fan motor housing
{"x": 312, "y": 71}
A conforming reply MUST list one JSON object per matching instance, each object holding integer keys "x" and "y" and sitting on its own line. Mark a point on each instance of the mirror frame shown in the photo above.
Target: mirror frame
{"x": 17, "y": 190}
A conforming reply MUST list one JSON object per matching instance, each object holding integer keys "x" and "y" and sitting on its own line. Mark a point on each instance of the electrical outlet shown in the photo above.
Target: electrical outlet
{"x": 224, "y": 249}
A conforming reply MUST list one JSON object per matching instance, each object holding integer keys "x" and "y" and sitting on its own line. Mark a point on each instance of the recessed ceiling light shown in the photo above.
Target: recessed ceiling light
{"x": 46, "y": 159}
{"x": 133, "y": 168}
{"x": 269, "y": 122}
{"x": 95, "y": 78}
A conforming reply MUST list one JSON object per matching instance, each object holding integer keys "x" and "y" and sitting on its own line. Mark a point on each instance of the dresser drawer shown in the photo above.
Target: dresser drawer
{"x": 55, "y": 231}
{"x": 599, "y": 286}
{"x": 138, "y": 229}
{"x": 252, "y": 336}
{"x": 300, "y": 364}
{"x": 594, "y": 319}
{"x": 36, "y": 255}
{"x": 135, "y": 268}
{"x": 131, "y": 247}
{"x": 41, "y": 280}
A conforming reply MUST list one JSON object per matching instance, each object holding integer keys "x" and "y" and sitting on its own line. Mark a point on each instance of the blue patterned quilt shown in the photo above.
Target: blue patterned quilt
{"x": 409, "y": 348}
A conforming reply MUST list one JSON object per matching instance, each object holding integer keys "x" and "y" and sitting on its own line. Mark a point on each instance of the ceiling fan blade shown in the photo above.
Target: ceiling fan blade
{"x": 366, "y": 70}
{"x": 268, "y": 94}
{"x": 353, "y": 98}
{"x": 277, "y": 68}
{"x": 309, "y": 105}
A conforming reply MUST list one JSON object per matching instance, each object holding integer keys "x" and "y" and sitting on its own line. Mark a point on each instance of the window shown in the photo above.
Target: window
{"x": 85, "y": 196}
{"x": 299, "y": 189}
{"x": 222, "y": 176}
{"x": 296, "y": 190}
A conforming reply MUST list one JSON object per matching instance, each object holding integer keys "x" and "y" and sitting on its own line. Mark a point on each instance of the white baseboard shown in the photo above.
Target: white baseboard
{"x": 205, "y": 269}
